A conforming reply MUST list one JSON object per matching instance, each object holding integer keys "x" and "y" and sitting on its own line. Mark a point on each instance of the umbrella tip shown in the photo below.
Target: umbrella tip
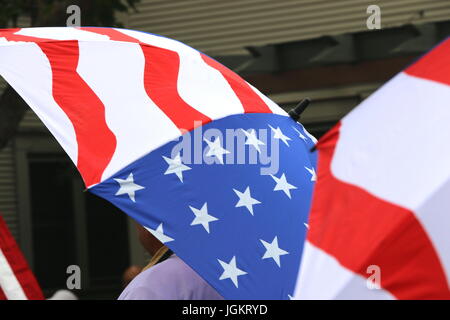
{"x": 296, "y": 112}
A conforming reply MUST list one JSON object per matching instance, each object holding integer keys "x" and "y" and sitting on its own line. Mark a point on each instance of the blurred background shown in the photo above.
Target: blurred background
{"x": 288, "y": 49}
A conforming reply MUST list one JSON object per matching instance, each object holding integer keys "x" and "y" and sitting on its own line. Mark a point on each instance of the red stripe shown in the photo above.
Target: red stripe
{"x": 434, "y": 66}
{"x": 250, "y": 100}
{"x": 2, "y": 295}
{"x": 18, "y": 264}
{"x": 96, "y": 142}
{"x": 360, "y": 230}
{"x": 160, "y": 81}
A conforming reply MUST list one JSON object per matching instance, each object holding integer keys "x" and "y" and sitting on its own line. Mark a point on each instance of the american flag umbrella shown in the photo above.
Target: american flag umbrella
{"x": 17, "y": 281}
{"x": 380, "y": 219}
{"x": 209, "y": 165}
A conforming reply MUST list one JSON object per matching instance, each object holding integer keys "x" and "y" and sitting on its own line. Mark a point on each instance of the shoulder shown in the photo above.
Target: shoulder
{"x": 170, "y": 279}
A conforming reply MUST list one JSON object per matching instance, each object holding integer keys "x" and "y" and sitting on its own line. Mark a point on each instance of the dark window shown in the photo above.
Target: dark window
{"x": 108, "y": 241}
{"x": 52, "y": 220}
{"x": 70, "y": 227}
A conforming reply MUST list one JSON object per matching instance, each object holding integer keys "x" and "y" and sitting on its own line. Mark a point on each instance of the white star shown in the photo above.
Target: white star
{"x": 159, "y": 234}
{"x": 313, "y": 173}
{"x": 202, "y": 217}
{"x": 246, "y": 200}
{"x": 273, "y": 251}
{"x": 127, "y": 186}
{"x": 215, "y": 149}
{"x": 279, "y": 135}
{"x": 176, "y": 166}
{"x": 282, "y": 184}
{"x": 230, "y": 271}
{"x": 300, "y": 134}
{"x": 252, "y": 140}
{"x": 306, "y": 225}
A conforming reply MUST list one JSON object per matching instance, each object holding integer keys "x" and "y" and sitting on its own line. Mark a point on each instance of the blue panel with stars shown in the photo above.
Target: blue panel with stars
{"x": 230, "y": 198}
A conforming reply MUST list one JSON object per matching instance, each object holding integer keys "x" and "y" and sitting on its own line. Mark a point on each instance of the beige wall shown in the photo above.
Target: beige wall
{"x": 220, "y": 27}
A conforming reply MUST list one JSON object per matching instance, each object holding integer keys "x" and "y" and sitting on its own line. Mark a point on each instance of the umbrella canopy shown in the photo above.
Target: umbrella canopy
{"x": 379, "y": 224}
{"x": 209, "y": 165}
{"x": 17, "y": 281}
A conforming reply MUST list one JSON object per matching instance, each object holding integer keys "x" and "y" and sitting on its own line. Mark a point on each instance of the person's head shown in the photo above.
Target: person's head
{"x": 130, "y": 273}
{"x": 148, "y": 241}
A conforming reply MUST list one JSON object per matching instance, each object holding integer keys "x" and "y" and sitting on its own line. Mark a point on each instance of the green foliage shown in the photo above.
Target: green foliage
{"x": 101, "y": 13}
{"x": 9, "y": 12}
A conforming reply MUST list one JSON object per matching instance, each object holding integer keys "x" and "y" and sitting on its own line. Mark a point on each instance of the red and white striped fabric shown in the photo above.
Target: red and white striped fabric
{"x": 141, "y": 91}
{"x": 383, "y": 193}
{"x": 17, "y": 282}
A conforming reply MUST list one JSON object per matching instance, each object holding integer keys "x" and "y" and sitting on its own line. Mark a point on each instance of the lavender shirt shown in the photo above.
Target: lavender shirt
{"x": 171, "y": 279}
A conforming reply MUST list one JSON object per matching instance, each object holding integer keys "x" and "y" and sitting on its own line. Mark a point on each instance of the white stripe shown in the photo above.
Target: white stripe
{"x": 396, "y": 146}
{"x": 322, "y": 277}
{"x": 115, "y": 72}
{"x": 272, "y": 105}
{"x": 8, "y": 281}
{"x": 28, "y": 71}
{"x": 159, "y": 41}
{"x": 62, "y": 33}
{"x": 313, "y": 139}
{"x": 5, "y": 42}
{"x": 205, "y": 89}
